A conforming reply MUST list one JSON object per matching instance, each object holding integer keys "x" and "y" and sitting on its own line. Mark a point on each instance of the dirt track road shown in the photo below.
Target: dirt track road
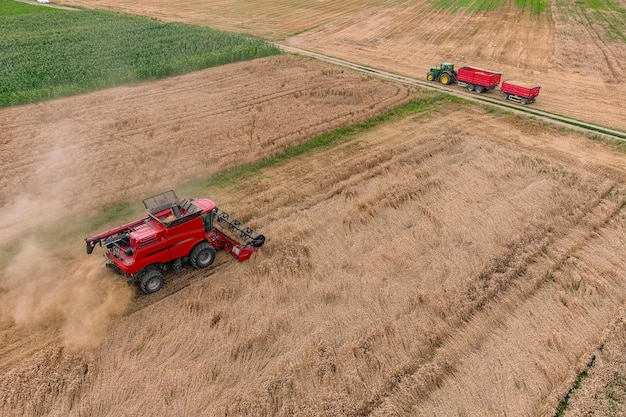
{"x": 493, "y": 100}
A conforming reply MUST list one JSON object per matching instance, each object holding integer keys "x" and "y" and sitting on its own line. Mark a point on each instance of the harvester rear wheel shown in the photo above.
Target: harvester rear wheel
{"x": 445, "y": 79}
{"x": 151, "y": 281}
{"x": 430, "y": 76}
{"x": 202, "y": 255}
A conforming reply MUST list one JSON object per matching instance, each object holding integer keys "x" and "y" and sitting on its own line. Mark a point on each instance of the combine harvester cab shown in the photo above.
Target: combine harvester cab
{"x": 478, "y": 79}
{"x": 173, "y": 232}
{"x": 519, "y": 92}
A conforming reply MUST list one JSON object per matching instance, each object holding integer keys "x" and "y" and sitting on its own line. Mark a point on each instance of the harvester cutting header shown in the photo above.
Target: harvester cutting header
{"x": 174, "y": 231}
{"x": 482, "y": 80}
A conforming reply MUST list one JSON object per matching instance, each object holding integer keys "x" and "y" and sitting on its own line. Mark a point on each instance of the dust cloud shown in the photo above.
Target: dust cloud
{"x": 38, "y": 288}
{"x": 49, "y": 283}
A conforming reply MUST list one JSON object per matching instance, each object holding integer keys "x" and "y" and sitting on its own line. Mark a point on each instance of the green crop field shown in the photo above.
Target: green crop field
{"x": 47, "y": 53}
{"x": 535, "y": 6}
{"x": 472, "y": 6}
{"x": 469, "y": 6}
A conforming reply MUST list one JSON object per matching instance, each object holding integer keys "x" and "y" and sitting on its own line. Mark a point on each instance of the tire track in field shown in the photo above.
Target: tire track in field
{"x": 610, "y": 60}
{"x": 174, "y": 283}
{"x": 534, "y": 145}
{"x": 275, "y": 19}
{"x": 18, "y": 345}
{"x": 17, "y": 164}
{"x": 552, "y": 252}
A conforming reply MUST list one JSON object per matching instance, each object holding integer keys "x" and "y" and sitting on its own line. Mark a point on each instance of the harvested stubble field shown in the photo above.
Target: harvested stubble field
{"x": 576, "y": 50}
{"x": 454, "y": 261}
{"x": 420, "y": 268}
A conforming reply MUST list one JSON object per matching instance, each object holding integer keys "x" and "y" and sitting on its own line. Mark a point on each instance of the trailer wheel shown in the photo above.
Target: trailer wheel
{"x": 470, "y": 87}
{"x": 505, "y": 96}
{"x": 151, "y": 281}
{"x": 525, "y": 100}
{"x": 202, "y": 255}
{"x": 479, "y": 88}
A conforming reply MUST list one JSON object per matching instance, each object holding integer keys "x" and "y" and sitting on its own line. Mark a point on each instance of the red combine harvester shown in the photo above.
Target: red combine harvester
{"x": 482, "y": 80}
{"x": 174, "y": 231}
{"x": 520, "y": 92}
{"x": 478, "y": 79}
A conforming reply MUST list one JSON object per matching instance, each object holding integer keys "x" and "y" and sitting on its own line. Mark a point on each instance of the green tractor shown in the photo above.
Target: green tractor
{"x": 445, "y": 74}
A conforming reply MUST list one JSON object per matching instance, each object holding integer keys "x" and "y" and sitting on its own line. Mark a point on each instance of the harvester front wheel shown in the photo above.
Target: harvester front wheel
{"x": 151, "y": 281}
{"x": 202, "y": 255}
{"x": 445, "y": 79}
{"x": 430, "y": 76}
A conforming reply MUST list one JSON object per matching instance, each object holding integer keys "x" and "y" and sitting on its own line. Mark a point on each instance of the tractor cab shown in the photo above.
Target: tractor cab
{"x": 447, "y": 66}
{"x": 445, "y": 73}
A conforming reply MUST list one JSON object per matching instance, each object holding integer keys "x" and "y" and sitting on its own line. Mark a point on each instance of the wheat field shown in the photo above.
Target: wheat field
{"x": 420, "y": 268}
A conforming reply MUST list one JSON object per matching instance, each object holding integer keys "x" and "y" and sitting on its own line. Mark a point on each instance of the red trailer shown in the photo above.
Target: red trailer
{"x": 520, "y": 92}
{"x": 478, "y": 79}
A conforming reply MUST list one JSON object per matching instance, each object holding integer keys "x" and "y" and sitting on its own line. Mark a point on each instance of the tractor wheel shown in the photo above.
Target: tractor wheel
{"x": 151, "y": 281}
{"x": 430, "y": 76}
{"x": 445, "y": 79}
{"x": 470, "y": 87}
{"x": 202, "y": 255}
{"x": 479, "y": 89}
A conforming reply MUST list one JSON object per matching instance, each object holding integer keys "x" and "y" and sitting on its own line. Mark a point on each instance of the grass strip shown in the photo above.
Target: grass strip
{"x": 420, "y": 106}
{"x": 560, "y": 411}
{"x": 473, "y": 6}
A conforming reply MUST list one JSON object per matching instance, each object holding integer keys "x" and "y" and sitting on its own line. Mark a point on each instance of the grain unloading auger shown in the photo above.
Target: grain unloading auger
{"x": 173, "y": 232}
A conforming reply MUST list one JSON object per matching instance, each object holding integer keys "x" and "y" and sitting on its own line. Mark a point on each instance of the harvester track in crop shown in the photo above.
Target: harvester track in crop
{"x": 537, "y": 268}
{"x": 175, "y": 283}
{"x": 538, "y": 114}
